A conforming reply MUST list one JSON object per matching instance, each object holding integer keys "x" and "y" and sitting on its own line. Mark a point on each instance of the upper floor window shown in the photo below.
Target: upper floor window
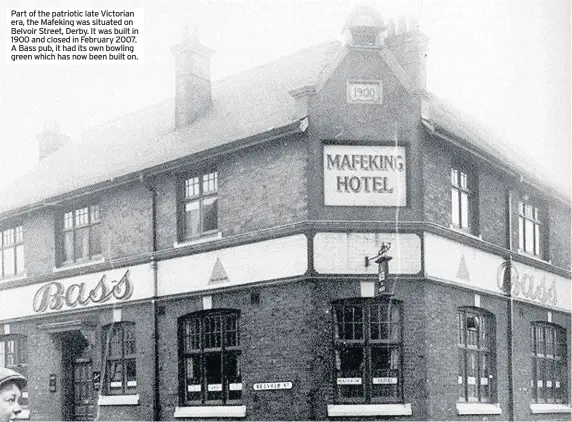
{"x": 81, "y": 234}
{"x": 119, "y": 357}
{"x": 11, "y": 252}
{"x": 209, "y": 358}
{"x": 461, "y": 199}
{"x": 199, "y": 208}
{"x": 529, "y": 228}
{"x": 476, "y": 344}
{"x": 549, "y": 369}
{"x": 368, "y": 351}
{"x": 14, "y": 355}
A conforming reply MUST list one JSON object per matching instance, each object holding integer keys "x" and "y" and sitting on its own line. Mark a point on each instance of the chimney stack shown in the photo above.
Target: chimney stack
{"x": 192, "y": 79}
{"x": 50, "y": 140}
{"x": 409, "y": 45}
{"x": 364, "y": 28}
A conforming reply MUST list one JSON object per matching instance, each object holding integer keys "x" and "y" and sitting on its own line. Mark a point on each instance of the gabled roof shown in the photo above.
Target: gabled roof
{"x": 249, "y": 103}
{"x": 458, "y": 127}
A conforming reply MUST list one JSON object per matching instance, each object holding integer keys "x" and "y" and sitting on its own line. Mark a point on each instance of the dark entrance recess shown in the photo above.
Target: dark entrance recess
{"x": 76, "y": 339}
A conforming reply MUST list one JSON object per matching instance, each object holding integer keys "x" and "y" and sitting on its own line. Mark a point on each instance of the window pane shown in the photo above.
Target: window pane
{"x": 536, "y": 239}
{"x": 68, "y": 220}
{"x": 130, "y": 372}
{"x": 192, "y": 334}
{"x": 94, "y": 217}
{"x": 9, "y": 264}
{"x": 385, "y": 363}
{"x": 210, "y": 214}
{"x": 454, "y": 177}
{"x": 2, "y": 353}
{"x": 528, "y": 236}
{"x": 115, "y": 371}
{"x": 19, "y": 234}
{"x": 82, "y": 243}
{"x": 192, "y": 219}
{"x": 231, "y": 331}
{"x": 213, "y": 331}
{"x": 68, "y": 246}
{"x": 350, "y": 367}
{"x": 191, "y": 187}
{"x": 193, "y": 385}
{"x": 209, "y": 182}
{"x": 81, "y": 217}
{"x": 1, "y": 266}
{"x": 484, "y": 380}
{"x": 521, "y": 233}
{"x": 213, "y": 372}
{"x": 19, "y": 259}
{"x": 464, "y": 210}
{"x": 129, "y": 333}
{"x": 462, "y": 377}
{"x": 456, "y": 219}
{"x": 8, "y": 237}
{"x": 472, "y": 374}
{"x": 233, "y": 376}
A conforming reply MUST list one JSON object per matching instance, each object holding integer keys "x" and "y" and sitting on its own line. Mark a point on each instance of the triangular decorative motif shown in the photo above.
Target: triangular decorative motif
{"x": 463, "y": 271}
{"x": 219, "y": 274}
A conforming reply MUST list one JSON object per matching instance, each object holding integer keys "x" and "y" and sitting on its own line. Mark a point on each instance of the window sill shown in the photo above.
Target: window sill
{"x": 14, "y": 277}
{"x": 210, "y": 412}
{"x": 465, "y": 232}
{"x": 198, "y": 240}
{"x": 65, "y": 267}
{"x": 532, "y": 256}
{"x": 348, "y": 410}
{"x": 125, "y": 400}
{"x": 24, "y": 414}
{"x": 478, "y": 409}
{"x": 536, "y": 408}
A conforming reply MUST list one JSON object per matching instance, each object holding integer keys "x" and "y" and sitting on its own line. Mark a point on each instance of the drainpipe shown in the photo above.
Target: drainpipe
{"x": 156, "y": 396}
{"x": 510, "y": 312}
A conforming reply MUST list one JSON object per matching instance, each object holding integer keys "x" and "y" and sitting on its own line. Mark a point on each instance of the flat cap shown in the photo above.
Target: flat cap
{"x": 7, "y": 375}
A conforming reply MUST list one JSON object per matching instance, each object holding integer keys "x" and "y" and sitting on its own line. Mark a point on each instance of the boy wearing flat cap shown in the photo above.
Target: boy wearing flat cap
{"x": 11, "y": 385}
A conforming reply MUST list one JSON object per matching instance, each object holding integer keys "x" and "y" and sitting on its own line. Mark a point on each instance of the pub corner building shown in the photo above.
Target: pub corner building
{"x": 318, "y": 238}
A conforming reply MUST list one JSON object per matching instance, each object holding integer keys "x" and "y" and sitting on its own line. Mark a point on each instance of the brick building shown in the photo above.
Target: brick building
{"x": 212, "y": 256}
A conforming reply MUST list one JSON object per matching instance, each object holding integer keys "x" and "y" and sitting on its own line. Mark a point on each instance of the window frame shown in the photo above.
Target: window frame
{"x": 531, "y": 211}
{"x": 487, "y": 349}
{"x": 75, "y": 228}
{"x": 367, "y": 344}
{"x": 125, "y": 328}
{"x": 203, "y": 352}
{"x": 559, "y": 363}
{"x": 17, "y": 244}
{"x": 463, "y": 182}
{"x": 20, "y": 363}
{"x": 200, "y": 197}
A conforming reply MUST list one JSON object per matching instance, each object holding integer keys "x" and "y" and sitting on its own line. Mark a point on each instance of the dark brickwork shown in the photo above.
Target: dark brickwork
{"x": 436, "y": 183}
{"x": 126, "y": 218}
{"x": 39, "y": 242}
{"x": 492, "y": 194}
{"x": 166, "y": 191}
{"x": 263, "y": 186}
{"x": 559, "y": 234}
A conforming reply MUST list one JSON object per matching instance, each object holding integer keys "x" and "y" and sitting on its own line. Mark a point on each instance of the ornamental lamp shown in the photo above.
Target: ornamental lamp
{"x": 385, "y": 286}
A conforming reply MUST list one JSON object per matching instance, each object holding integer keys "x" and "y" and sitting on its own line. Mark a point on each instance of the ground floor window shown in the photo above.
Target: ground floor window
{"x": 14, "y": 355}
{"x": 476, "y": 376}
{"x": 368, "y": 351}
{"x": 209, "y": 347}
{"x": 549, "y": 368}
{"x": 120, "y": 359}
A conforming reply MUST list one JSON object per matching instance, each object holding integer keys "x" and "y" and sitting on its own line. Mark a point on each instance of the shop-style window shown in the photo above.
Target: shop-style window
{"x": 199, "y": 207}
{"x": 476, "y": 344}
{"x": 549, "y": 368}
{"x": 209, "y": 358}
{"x": 462, "y": 199}
{"x": 14, "y": 355}
{"x": 368, "y": 351}
{"x": 120, "y": 359}
{"x": 81, "y": 234}
{"x": 529, "y": 228}
{"x": 11, "y": 252}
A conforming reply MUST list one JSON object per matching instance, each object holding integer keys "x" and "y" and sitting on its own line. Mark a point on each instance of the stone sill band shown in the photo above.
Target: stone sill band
{"x": 210, "y": 412}
{"x": 537, "y": 408}
{"x": 348, "y": 410}
{"x": 125, "y": 400}
{"x": 478, "y": 409}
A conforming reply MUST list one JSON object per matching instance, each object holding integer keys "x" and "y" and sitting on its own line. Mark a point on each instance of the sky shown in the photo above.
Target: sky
{"x": 506, "y": 62}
